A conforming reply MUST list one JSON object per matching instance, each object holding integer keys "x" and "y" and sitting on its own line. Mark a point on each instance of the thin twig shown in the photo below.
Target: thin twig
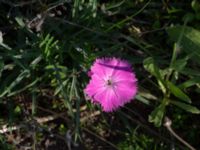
{"x": 42, "y": 120}
{"x": 77, "y": 25}
{"x": 155, "y": 30}
{"x": 168, "y": 124}
{"x": 99, "y": 137}
{"x": 20, "y": 4}
{"x": 150, "y": 130}
{"x": 39, "y": 120}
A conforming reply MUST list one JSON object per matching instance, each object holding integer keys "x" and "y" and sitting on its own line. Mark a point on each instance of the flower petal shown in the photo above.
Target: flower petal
{"x": 126, "y": 91}
{"x": 122, "y": 88}
{"x": 111, "y": 101}
{"x": 95, "y": 86}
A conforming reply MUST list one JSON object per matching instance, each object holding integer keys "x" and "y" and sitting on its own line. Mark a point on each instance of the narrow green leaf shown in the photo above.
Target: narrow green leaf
{"x": 157, "y": 114}
{"x": 195, "y": 6}
{"x": 190, "y": 83}
{"x": 20, "y": 21}
{"x": 186, "y": 107}
{"x": 179, "y": 64}
{"x": 1, "y": 37}
{"x": 142, "y": 99}
{"x": 64, "y": 93}
{"x": 8, "y": 88}
{"x": 24, "y": 88}
{"x": 178, "y": 92}
{"x": 150, "y": 66}
{"x": 190, "y": 40}
{"x": 189, "y": 71}
{"x": 1, "y": 66}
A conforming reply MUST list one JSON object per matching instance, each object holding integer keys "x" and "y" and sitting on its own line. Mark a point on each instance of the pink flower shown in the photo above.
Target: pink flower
{"x": 112, "y": 84}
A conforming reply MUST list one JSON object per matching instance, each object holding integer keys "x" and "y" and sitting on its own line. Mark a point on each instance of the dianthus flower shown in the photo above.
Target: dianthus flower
{"x": 112, "y": 83}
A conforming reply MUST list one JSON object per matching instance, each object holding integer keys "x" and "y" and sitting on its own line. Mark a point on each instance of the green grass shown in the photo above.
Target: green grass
{"x": 47, "y": 47}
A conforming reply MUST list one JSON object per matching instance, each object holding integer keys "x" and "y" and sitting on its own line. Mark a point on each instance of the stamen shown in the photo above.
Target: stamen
{"x": 109, "y": 82}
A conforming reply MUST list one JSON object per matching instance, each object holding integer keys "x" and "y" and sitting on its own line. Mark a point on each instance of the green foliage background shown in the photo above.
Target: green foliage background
{"x": 47, "y": 47}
